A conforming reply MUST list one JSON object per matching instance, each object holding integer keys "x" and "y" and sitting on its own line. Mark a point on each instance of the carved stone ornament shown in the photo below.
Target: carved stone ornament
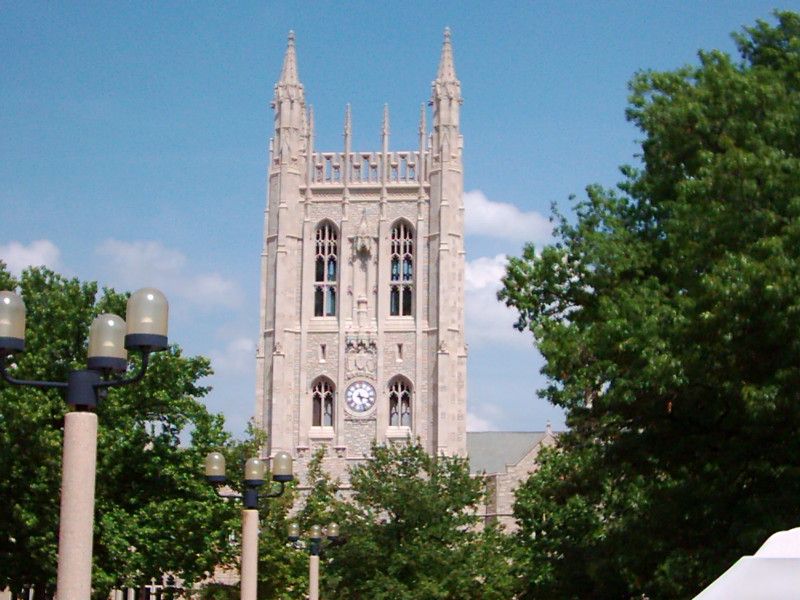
{"x": 362, "y": 241}
{"x": 360, "y": 356}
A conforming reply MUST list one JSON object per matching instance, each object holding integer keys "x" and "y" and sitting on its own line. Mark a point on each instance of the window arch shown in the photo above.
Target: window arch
{"x": 322, "y": 395}
{"x": 399, "y": 402}
{"x": 401, "y": 279}
{"x": 326, "y": 269}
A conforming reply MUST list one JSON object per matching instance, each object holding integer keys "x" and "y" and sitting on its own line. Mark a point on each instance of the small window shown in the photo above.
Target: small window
{"x": 325, "y": 270}
{"x": 323, "y": 352}
{"x": 399, "y": 352}
{"x": 400, "y": 403}
{"x": 322, "y": 402}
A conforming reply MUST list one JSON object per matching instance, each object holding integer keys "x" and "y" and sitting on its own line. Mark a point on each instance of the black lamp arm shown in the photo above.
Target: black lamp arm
{"x": 63, "y": 384}
{"x": 217, "y": 488}
{"x": 135, "y": 379}
{"x": 276, "y": 493}
{"x": 27, "y": 382}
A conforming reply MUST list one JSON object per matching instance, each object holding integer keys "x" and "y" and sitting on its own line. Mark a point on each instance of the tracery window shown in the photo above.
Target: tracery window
{"x": 325, "y": 270}
{"x": 401, "y": 280}
{"x": 400, "y": 403}
{"x": 322, "y": 403}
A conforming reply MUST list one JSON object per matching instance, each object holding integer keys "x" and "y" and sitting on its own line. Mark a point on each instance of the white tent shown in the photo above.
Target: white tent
{"x": 772, "y": 573}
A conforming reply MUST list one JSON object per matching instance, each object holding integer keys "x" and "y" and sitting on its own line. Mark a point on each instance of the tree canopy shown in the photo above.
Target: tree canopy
{"x": 668, "y": 313}
{"x": 409, "y": 532}
{"x": 154, "y": 513}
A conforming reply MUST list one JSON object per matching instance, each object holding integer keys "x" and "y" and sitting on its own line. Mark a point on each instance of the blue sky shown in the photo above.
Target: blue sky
{"x": 134, "y": 143}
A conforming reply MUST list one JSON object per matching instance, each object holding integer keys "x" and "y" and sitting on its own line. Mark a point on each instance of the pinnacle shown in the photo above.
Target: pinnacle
{"x": 289, "y": 71}
{"x": 385, "y": 127}
{"x": 447, "y": 69}
{"x": 348, "y": 120}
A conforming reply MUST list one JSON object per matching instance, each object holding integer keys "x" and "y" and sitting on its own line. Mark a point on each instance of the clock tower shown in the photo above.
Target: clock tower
{"x": 362, "y": 284}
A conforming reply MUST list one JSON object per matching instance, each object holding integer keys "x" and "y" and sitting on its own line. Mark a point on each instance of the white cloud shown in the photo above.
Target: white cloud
{"x": 484, "y": 217}
{"x": 149, "y": 263}
{"x": 484, "y": 272}
{"x": 40, "y": 252}
{"x": 238, "y": 357}
{"x": 488, "y": 319}
{"x": 476, "y": 423}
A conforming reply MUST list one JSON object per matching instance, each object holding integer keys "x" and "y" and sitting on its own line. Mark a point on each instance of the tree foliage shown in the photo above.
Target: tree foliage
{"x": 154, "y": 513}
{"x": 409, "y": 533}
{"x": 668, "y": 313}
{"x": 282, "y": 566}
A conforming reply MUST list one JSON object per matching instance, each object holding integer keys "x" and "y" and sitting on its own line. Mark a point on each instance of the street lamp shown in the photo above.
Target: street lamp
{"x": 254, "y": 472}
{"x": 110, "y": 339}
{"x": 314, "y": 548}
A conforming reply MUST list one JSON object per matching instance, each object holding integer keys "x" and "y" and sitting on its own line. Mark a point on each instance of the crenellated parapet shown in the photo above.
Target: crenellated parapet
{"x": 404, "y": 167}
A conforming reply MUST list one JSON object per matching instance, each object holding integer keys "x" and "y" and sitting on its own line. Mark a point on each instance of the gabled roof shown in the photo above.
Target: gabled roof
{"x": 491, "y": 451}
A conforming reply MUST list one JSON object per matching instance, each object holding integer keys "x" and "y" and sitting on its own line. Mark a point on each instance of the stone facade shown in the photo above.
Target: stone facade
{"x": 362, "y": 285}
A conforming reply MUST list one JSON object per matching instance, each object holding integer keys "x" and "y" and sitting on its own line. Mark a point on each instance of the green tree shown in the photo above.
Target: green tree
{"x": 409, "y": 532}
{"x": 282, "y": 568}
{"x": 282, "y": 571}
{"x": 668, "y": 313}
{"x": 154, "y": 512}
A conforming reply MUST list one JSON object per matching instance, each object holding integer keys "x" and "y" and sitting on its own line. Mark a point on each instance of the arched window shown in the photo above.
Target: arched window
{"x": 401, "y": 280}
{"x": 322, "y": 402}
{"x": 400, "y": 403}
{"x": 325, "y": 270}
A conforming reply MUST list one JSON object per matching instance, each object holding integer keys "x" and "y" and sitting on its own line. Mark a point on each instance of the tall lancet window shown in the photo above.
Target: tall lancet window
{"x": 325, "y": 270}
{"x": 322, "y": 403}
{"x": 399, "y": 403}
{"x": 401, "y": 280}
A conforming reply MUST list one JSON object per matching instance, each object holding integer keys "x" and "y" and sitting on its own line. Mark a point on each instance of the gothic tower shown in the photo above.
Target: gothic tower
{"x": 362, "y": 285}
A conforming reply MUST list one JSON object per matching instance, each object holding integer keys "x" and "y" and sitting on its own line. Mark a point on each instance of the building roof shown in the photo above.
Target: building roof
{"x": 491, "y": 451}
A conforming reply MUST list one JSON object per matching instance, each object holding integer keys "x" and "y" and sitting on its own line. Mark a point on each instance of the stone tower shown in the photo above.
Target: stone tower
{"x": 362, "y": 285}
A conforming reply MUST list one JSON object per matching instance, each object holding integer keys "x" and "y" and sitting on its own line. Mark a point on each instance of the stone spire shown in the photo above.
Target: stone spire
{"x": 289, "y": 104}
{"x": 445, "y": 292}
{"x": 288, "y": 85}
{"x": 446, "y": 84}
{"x": 385, "y": 126}
{"x": 447, "y": 68}
{"x": 309, "y": 120}
{"x": 446, "y": 99}
{"x": 289, "y": 71}
{"x": 348, "y": 120}
{"x": 421, "y": 165}
{"x": 385, "y": 167}
{"x": 348, "y": 134}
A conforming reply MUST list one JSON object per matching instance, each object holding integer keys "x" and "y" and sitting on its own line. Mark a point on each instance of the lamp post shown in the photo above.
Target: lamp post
{"x": 110, "y": 338}
{"x": 254, "y": 471}
{"x": 314, "y": 548}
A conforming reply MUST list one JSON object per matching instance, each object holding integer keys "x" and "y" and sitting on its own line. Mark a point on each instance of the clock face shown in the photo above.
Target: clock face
{"x": 360, "y": 396}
